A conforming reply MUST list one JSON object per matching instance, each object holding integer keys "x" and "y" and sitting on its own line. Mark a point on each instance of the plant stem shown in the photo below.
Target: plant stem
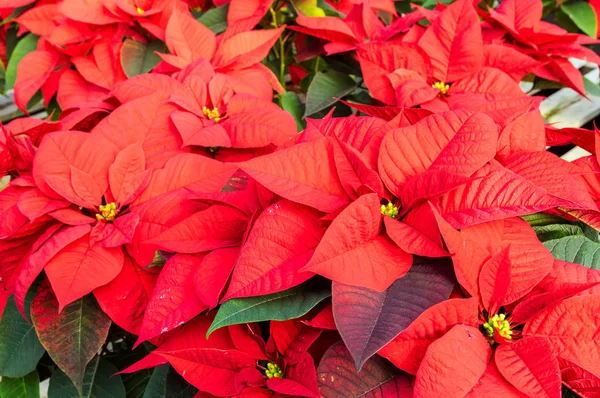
{"x": 281, "y": 49}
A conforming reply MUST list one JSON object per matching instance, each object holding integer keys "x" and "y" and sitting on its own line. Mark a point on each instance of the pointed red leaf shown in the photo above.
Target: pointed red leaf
{"x": 33, "y": 71}
{"x": 353, "y": 170}
{"x": 211, "y": 276}
{"x": 368, "y": 320}
{"x": 354, "y": 252}
{"x": 188, "y": 38}
{"x": 79, "y": 268}
{"x": 246, "y": 48}
{"x": 124, "y": 175}
{"x": 304, "y": 173}
{"x": 173, "y": 300}
{"x": 194, "y": 131}
{"x": 493, "y": 383}
{"x": 579, "y": 380}
{"x": 494, "y": 280}
{"x": 300, "y": 379}
{"x": 512, "y": 140}
{"x": 408, "y": 349}
{"x": 454, "y": 363}
{"x": 411, "y": 240}
{"x": 530, "y": 365}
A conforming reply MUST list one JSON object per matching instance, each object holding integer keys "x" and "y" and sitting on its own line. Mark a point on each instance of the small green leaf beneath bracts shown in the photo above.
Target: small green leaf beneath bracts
{"x": 576, "y": 249}
{"x": 156, "y": 386}
{"x": 591, "y": 88}
{"x": 98, "y": 382}
{"x": 74, "y": 336}
{"x": 167, "y": 383}
{"x": 26, "y": 45}
{"x": 557, "y": 231}
{"x": 27, "y": 386}
{"x": 289, "y": 304}
{"x": 215, "y": 19}
{"x": 583, "y": 15}
{"x": 20, "y": 349}
{"x": 291, "y": 103}
{"x": 542, "y": 219}
{"x": 138, "y": 57}
{"x": 325, "y": 90}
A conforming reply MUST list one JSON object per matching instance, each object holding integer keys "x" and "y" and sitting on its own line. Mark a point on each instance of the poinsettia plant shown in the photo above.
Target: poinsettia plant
{"x": 255, "y": 198}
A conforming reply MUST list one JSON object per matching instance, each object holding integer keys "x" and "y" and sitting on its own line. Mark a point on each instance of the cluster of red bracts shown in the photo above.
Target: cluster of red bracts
{"x": 193, "y": 164}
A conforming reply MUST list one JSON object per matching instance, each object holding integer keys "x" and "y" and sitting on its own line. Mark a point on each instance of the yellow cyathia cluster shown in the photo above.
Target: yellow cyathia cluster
{"x": 108, "y": 212}
{"x": 212, "y": 114}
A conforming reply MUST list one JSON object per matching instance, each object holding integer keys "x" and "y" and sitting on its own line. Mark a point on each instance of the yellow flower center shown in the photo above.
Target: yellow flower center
{"x": 389, "y": 210}
{"x": 273, "y": 371}
{"x": 108, "y": 212}
{"x": 212, "y": 114}
{"x": 139, "y": 11}
{"x": 500, "y": 323}
{"x": 443, "y": 87}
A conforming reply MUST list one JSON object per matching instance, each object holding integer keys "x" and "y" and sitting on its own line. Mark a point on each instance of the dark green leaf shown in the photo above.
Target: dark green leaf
{"x": 291, "y": 103}
{"x": 215, "y": 19}
{"x": 576, "y": 249}
{"x": 567, "y": 393}
{"x": 135, "y": 383}
{"x": 27, "y": 386}
{"x": 557, "y": 231}
{"x": 289, "y": 304}
{"x": 138, "y": 57}
{"x": 325, "y": 90}
{"x": 156, "y": 387}
{"x": 177, "y": 387}
{"x": 540, "y": 219}
{"x": 74, "y": 336}
{"x": 591, "y": 88}
{"x": 583, "y": 15}
{"x": 26, "y": 45}
{"x": 98, "y": 382}
{"x": 20, "y": 349}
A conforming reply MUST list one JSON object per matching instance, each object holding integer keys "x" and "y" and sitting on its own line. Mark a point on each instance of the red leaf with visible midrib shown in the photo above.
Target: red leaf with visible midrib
{"x": 304, "y": 173}
{"x": 456, "y": 142}
{"x": 453, "y": 364}
{"x": 125, "y": 174}
{"x": 337, "y": 376}
{"x": 454, "y": 43}
{"x": 579, "y": 380}
{"x": 576, "y": 316}
{"x": 492, "y": 383}
{"x": 282, "y": 240}
{"x": 368, "y": 320}
{"x": 80, "y": 268}
{"x": 530, "y": 365}
{"x": 33, "y": 71}
{"x": 408, "y": 349}
{"x": 174, "y": 300}
{"x": 494, "y": 280}
{"x": 354, "y": 252}
{"x": 211, "y": 276}
{"x": 71, "y": 337}
{"x": 188, "y": 38}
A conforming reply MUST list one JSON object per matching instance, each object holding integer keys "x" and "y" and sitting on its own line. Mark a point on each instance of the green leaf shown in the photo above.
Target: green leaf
{"x": 156, "y": 387}
{"x": 73, "y": 337}
{"x": 291, "y": 103}
{"x": 138, "y": 57}
{"x": 325, "y": 90}
{"x": 215, "y": 19}
{"x": 289, "y": 304}
{"x": 26, "y": 45}
{"x": 591, "y": 88}
{"x": 135, "y": 383}
{"x": 576, "y": 249}
{"x": 20, "y": 349}
{"x": 27, "y": 386}
{"x": 98, "y": 382}
{"x": 309, "y": 8}
{"x": 540, "y": 219}
{"x": 583, "y": 15}
{"x": 557, "y": 231}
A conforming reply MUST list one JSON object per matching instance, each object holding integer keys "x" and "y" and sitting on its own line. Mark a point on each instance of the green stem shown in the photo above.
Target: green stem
{"x": 281, "y": 49}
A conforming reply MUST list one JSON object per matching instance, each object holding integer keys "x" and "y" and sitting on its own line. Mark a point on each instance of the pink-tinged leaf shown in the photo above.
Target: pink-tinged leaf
{"x": 125, "y": 298}
{"x": 408, "y": 349}
{"x": 454, "y": 43}
{"x": 493, "y": 383}
{"x": 72, "y": 336}
{"x": 300, "y": 379}
{"x": 174, "y": 300}
{"x": 35, "y": 262}
{"x": 512, "y": 140}
{"x": 337, "y": 376}
{"x": 463, "y": 347}
{"x": 354, "y": 252}
{"x": 368, "y": 320}
{"x": 125, "y": 174}
{"x": 197, "y": 173}
{"x": 530, "y": 365}
{"x": 412, "y": 240}
{"x": 60, "y": 151}
{"x": 494, "y": 280}
{"x": 572, "y": 328}
{"x": 214, "y": 228}
{"x": 146, "y": 121}
{"x": 195, "y": 131}
{"x": 499, "y": 193}
{"x": 456, "y": 142}
{"x": 79, "y": 268}
{"x": 304, "y": 173}
{"x": 188, "y": 38}
{"x": 246, "y": 48}
{"x": 33, "y": 71}
{"x": 211, "y": 276}
{"x": 282, "y": 240}
{"x": 579, "y": 380}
